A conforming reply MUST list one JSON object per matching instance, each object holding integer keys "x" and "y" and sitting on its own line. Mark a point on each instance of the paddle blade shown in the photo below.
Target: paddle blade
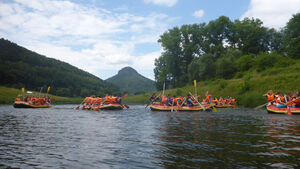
{"x": 125, "y": 95}
{"x": 214, "y": 109}
{"x": 77, "y": 108}
{"x": 289, "y": 112}
{"x": 126, "y": 106}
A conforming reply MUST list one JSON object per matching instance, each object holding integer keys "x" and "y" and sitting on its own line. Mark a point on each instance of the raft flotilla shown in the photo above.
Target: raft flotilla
{"x": 283, "y": 104}
{"x": 188, "y": 103}
{"x": 31, "y": 101}
{"x": 106, "y": 103}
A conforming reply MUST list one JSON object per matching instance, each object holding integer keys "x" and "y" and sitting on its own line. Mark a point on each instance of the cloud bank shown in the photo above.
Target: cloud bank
{"x": 274, "y": 13}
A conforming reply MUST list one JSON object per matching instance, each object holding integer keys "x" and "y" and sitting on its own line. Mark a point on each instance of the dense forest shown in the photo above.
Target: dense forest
{"x": 20, "y": 67}
{"x": 130, "y": 81}
{"x": 224, "y": 49}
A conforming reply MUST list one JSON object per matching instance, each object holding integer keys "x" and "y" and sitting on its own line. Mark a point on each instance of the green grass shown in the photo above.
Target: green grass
{"x": 8, "y": 95}
{"x": 248, "y": 89}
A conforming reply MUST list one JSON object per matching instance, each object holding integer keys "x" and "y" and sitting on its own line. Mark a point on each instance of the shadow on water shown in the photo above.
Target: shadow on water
{"x": 61, "y": 137}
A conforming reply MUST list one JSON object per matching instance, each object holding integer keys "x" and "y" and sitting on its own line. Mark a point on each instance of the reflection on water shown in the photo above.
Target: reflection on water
{"x": 62, "y": 137}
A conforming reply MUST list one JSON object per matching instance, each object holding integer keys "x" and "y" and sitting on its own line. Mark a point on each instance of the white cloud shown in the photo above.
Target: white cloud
{"x": 199, "y": 13}
{"x": 90, "y": 38}
{"x": 168, "y": 3}
{"x": 273, "y": 13}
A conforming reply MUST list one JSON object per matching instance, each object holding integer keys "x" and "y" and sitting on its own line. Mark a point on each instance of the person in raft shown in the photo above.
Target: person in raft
{"x": 169, "y": 101}
{"x": 153, "y": 98}
{"x": 279, "y": 100}
{"x": 189, "y": 100}
{"x": 296, "y": 100}
{"x": 270, "y": 96}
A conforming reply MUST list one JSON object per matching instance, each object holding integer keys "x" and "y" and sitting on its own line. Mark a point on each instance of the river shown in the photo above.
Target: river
{"x": 61, "y": 137}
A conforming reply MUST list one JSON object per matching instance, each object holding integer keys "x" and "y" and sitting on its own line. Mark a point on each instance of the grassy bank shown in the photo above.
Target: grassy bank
{"x": 248, "y": 89}
{"x": 7, "y": 96}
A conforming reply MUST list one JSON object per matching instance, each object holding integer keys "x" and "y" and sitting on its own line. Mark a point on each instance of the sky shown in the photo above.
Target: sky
{"x": 103, "y": 36}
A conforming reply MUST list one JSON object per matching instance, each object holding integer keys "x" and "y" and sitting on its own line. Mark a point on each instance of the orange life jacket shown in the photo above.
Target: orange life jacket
{"x": 163, "y": 99}
{"x": 270, "y": 97}
{"x": 221, "y": 100}
{"x": 281, "y": 99}
{"x": 18, "y": 99}
{"x": 113, "y": 99}
{"x": 99, "y": 100}
{"x": 107, "y": 99}
{"x": 297, "y": 101}
{"x": 87, "y": 99}
{"x": 178, "y": 100}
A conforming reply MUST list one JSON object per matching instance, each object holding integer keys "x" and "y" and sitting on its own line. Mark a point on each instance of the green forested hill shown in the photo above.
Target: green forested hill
{"x": 20, "y": 67}
{"x": 129, "y": 80}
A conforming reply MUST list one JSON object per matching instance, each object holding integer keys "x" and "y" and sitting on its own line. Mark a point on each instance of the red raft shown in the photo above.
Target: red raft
{"x": 161, "y": 107}
{"x": 276, "y": 110}
{"x": 22, "y": 104}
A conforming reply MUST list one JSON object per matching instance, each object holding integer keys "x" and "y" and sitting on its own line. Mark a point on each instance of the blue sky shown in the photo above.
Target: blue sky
{"x": 102, "y": 36}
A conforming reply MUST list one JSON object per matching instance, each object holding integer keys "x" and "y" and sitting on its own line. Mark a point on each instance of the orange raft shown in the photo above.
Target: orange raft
{"x": 276, "y": 110}
{"x": 105, "y": 107}
{"x": 22, "y": 104}
{"x": 161, "y": 107}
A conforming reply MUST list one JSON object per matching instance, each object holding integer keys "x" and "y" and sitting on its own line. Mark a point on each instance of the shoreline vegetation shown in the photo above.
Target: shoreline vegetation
{"x": 248, "y": 90}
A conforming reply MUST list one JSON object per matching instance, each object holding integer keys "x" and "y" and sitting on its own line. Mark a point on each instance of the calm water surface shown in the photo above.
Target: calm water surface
{"x": 62, "y": 137}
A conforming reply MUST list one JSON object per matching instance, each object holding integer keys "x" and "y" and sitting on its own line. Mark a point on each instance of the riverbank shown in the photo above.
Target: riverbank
{"x": 247, "y": 89}
{"x": 8, "y": 95}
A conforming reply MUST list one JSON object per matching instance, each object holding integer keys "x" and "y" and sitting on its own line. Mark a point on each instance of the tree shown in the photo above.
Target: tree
{"x": 219, "y": 33}
{"x": 291, "y": 40}
{"x": 226, "y": 66}
{"x": 202, "y": 68}
{"x": 250, "y": 36}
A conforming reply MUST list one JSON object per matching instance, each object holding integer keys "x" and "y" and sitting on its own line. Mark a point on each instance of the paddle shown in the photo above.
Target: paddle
{"x": 197, "y": 101}
{"x": 288, "y": 110}
{"x": 260, "y": 106}
{"x": 79, "y": 105}
{"x": 214, "y": 109}
{"x": 151, "y": 101}
{"x": 126, "y": 106}
{"x": 125, "y": 95}
{"x": 172, "y": 106}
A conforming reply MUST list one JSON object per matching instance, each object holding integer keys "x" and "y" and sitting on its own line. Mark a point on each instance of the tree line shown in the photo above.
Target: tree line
{"x": 20, "y": 67}
{"x": 224, "y": 49}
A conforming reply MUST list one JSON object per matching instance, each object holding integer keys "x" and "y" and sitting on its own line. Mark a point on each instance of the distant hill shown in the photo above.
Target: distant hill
{"x": 20, "y": 67}
{"x": 129, "y": 80}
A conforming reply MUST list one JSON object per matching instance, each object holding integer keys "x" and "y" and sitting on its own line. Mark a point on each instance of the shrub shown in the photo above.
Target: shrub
{"x": 245, "y": 62}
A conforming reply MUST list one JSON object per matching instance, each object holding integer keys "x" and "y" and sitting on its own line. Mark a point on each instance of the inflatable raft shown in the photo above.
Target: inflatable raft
{"x": 160, "y": 107}
{"x": 22, "y": 104}
{"x": 276, "y": 110}
{"x": 104, "y": 107}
